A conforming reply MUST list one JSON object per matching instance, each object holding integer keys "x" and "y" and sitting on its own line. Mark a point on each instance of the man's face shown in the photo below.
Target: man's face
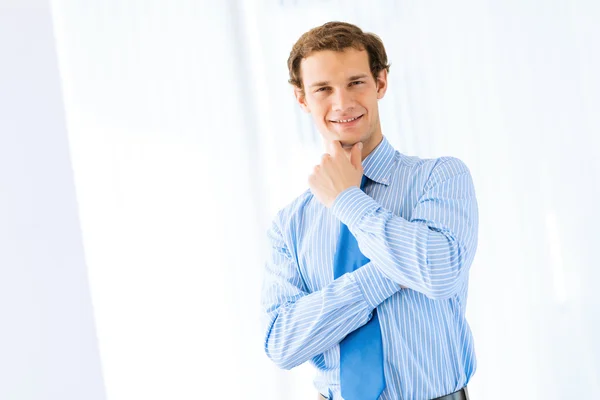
{"x": 341, "y": 94}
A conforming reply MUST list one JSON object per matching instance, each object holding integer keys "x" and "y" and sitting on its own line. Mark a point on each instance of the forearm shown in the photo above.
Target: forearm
{"x": 414, "y": 255}
{"x": 426, "y": 256}
{"x": 312, "y": 323}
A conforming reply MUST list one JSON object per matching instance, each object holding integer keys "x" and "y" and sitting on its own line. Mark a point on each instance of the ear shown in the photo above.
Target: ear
{"x": 301, "y": 99}
{"x": 381, "y": 84}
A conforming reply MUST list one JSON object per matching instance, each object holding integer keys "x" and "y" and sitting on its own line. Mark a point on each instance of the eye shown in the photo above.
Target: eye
{"x": 322, "y": 89}
{"x": 354, "y": 83}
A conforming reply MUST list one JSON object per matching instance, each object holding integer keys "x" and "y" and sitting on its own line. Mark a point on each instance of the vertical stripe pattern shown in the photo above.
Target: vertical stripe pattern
{"x": 417, "y": 222}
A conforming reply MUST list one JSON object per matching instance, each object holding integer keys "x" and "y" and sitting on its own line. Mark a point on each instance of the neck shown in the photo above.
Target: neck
{"x": 371, "y": 144}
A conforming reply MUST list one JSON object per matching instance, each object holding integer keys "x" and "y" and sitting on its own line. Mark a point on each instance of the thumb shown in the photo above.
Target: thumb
{"x": 356, "y": 155}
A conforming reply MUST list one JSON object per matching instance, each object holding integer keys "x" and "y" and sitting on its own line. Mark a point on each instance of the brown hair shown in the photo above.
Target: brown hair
{"x": 336, "y": 36}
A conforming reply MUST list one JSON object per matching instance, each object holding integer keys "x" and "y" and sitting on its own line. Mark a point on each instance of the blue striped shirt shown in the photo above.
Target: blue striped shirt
{"x": 417, "y": 222}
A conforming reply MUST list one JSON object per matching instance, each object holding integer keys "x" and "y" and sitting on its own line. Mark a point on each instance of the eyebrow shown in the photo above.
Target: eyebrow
{"x": 352, "y": 78}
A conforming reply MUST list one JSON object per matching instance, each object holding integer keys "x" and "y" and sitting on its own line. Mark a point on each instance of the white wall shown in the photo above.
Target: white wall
{"x": 48, "y": 344}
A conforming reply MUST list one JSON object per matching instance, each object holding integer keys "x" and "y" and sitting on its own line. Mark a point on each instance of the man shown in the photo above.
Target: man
{"x": 368, "y": 273}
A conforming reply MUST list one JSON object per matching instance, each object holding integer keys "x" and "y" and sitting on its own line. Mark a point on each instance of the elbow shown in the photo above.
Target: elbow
{"x": 452, "y": 279}
{"x": 282, "y": 363}
{"x": 279, "y": 357}
{"x": 445, "y": 289}
{"x": 278, "y": 349}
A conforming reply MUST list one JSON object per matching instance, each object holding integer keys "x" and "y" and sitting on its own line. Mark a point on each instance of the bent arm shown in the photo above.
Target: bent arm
{"x": 430, "y": 253}
{"x": 300, "y": 325}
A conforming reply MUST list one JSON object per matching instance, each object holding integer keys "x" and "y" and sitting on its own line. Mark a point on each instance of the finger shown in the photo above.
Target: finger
{"x": 356, "y": 155}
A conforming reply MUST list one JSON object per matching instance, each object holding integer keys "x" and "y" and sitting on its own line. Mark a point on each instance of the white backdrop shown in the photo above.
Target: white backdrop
{"x": 48, "y": 343}
{"x": 185, "y": 140}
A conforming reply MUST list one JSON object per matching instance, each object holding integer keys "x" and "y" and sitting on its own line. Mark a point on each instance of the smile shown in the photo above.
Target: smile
{"x": 346, "y": 120}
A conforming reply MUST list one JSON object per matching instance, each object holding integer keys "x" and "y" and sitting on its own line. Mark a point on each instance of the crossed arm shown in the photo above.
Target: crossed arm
{"x": 430, "y": 253}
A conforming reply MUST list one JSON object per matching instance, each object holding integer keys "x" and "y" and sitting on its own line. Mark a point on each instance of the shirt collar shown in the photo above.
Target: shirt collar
{"x": 378, "y": 165}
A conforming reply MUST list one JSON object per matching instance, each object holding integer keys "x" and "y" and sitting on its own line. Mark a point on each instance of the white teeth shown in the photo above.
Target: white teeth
{"x": 347, "y": 120}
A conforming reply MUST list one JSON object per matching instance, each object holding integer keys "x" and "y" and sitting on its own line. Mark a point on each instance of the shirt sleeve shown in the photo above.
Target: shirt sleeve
{"x": 430, "y": 253}
{"x": 300, "y": 325}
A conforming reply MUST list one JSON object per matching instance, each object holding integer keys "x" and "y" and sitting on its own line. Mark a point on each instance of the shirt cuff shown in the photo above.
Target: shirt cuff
{"x": 351, "y": 205}
{"x": 375, "y": 286}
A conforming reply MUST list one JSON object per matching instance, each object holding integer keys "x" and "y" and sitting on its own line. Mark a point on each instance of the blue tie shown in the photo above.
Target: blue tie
{"x": 361, "y": 352}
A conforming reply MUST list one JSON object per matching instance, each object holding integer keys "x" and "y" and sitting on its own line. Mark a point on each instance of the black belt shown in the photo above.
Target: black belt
{"x": 462, "y": 394}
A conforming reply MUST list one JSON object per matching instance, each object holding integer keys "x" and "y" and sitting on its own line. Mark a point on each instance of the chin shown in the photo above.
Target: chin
{"x": 348, "y": 143}
{"x": 347, "y": 139}
{"x": 351, "y": 140}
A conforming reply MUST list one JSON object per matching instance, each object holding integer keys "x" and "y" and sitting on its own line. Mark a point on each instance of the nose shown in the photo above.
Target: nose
{"x": 343, "y": 101}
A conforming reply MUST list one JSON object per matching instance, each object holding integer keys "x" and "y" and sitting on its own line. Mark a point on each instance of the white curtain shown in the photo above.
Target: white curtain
{"x": 185, "y": 140}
